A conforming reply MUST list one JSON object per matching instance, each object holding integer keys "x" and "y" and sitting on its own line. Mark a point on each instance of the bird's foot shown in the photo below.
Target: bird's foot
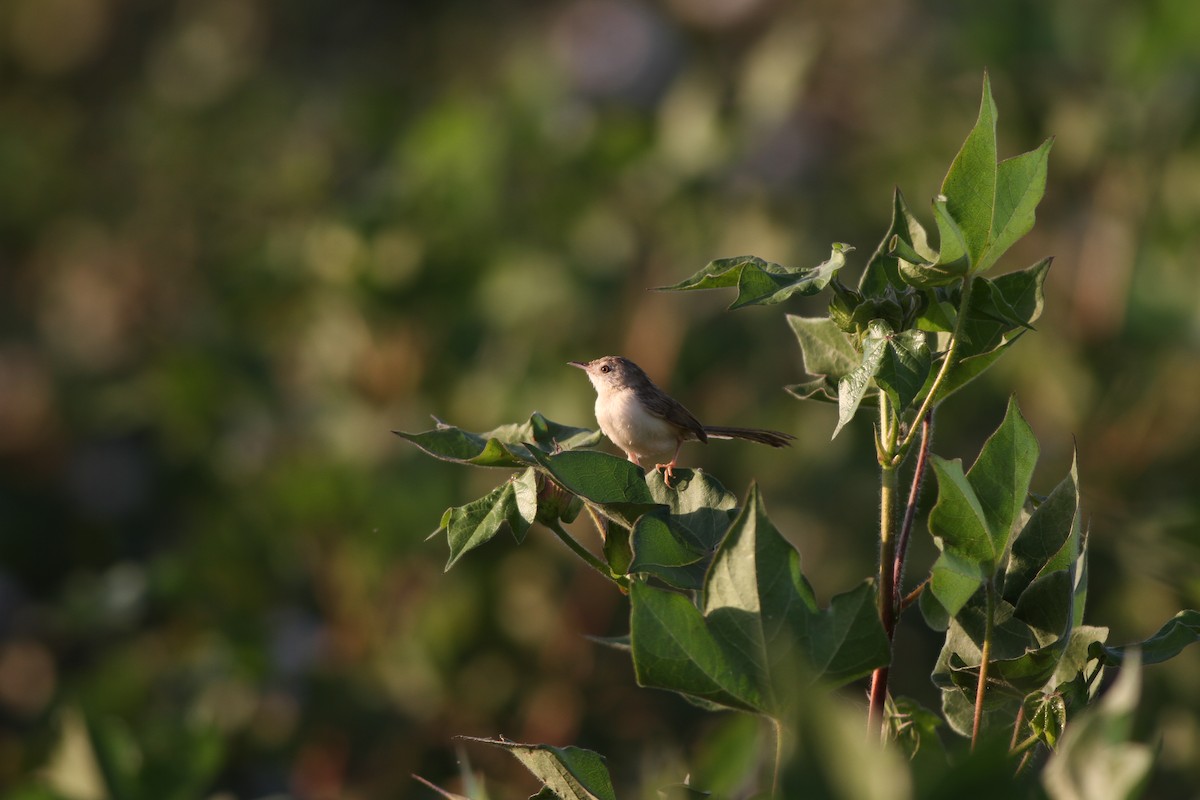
{"x": 668, "y": 473}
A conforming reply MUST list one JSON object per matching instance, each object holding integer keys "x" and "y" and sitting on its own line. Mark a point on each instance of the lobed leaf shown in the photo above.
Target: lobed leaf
{"x": 904, "y": 234}
{"x": 512, "y": 507}
{"x": 757, "y": 616}
{"x": 614, "y": 484}
{"x": 506, "y": 446}
{"x": 761, "y": 282}
{"x": 825, "y": 349}
{"x": 854, "y": 385}
{"x": 970, "y": 184}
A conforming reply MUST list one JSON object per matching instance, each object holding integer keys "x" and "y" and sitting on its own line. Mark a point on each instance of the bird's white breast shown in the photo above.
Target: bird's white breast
{"x": 625, "y": 421}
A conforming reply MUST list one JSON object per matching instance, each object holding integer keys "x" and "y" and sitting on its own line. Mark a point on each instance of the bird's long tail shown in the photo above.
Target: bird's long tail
{"x": 773, "y": 438}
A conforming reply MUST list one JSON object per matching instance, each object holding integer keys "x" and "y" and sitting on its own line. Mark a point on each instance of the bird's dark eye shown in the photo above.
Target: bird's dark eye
{"x": 606, "y": 368}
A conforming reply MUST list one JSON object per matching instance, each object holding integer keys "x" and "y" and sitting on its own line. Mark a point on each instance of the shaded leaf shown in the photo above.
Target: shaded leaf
{"x": 673, "y": 649}
{"x": 1180, "y": 631}
{"x": 661, "y": 550}
{"x": 906, "y": 234}
{"x": 759, "y": 616}
{"x": 905, "y": 365}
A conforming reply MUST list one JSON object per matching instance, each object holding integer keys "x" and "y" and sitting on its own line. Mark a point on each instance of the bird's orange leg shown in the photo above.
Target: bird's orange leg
{"x": 669, "y": 468}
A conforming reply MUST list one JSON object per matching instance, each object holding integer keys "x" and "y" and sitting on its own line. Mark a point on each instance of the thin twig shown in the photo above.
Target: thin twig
{"x": 914, "y": 494}
{"x": 985, "y": 654}
{"x": 586, "y": 555}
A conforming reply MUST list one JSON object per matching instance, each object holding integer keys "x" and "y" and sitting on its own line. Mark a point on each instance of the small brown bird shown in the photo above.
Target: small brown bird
{"x": 646, "y": 422}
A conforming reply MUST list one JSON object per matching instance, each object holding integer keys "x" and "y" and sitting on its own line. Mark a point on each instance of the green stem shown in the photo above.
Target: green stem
{"x": 886, "y": 591}
{"x": 587, "y": 556}
{"x": 778, "y": 757}
{"x": 985, "y": 654}
{"x": 947, "y": 364}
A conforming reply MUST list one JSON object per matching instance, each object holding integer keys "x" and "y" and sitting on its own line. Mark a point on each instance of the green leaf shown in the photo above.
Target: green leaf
{"x": 1020, "y": 184}
{"x": 970, "y": 185}
{"x": 673, "y": 649}
{"x": 762, "y": 282}
{"x": 974, "y": 515}
{"x": 1180, "y": 631}
{"x": 959, "y": 528}
{"x": 698, "y": 504}
{"x": 824, "y": 348}
{"x": 571, "y": 773}
{"x": 614, "y": 484}
{"x": 1096, "y": 760}
{"x": 1000, "y": 476}
{"x": 760, "y": 624}
{"x": 905, "y": 366}
{"x": 905, "y": 233}
{"x": 1043, "y": 537}
{"x": 662, "y": 550}
{"x": 505, "y": 446}
{"x": 853, "y": 386}
{"x": 512, "y": 506}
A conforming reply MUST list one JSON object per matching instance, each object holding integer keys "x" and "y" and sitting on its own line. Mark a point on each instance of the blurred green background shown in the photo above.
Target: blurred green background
{"x": 242, "y": 240}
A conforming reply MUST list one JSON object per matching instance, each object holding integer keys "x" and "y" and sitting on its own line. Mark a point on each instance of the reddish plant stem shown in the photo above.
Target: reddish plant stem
{"x": 910, "y": 511}
{"x": 892, "y": 555}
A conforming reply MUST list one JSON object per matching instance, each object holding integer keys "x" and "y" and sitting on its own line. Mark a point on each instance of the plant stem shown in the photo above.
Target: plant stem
{"x": 985, "y": 654}
{"x": 887, "y": 593}
{"x": 778, "y": 757}
{"x": 914, "y": 494}
{"x": 586, "y": 555}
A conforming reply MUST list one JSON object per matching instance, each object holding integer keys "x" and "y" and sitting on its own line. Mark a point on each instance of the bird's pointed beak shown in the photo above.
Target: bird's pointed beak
{"x": 583, "y": 365}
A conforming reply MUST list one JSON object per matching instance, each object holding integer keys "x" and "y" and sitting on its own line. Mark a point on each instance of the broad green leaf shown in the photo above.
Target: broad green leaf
{"x": 512, "y": 507}
{"x": 905, "y": 365}
{"x": 953, "y": 581}
{"x": 1096, "y": 759}
{"x": 904, "y": 233}
{"x": 853, "y": 386}
{"x": 614, "y": 484}
{"x": 673, "y": 649}
{"x": 698, "y": 504}
{"x": 758, "y": 601}
{"x": 505, "y": 446}
{"x": 759, "y": 625}
{"x": 666, "y": 552}
{"x": 1020, "y": 184}
{"x": 824, "y": 348}
{"x": 1180, "y": 631}
{"x": 1000, "y": 476}
{"x": 570, "y": 773}
{"x": 1047, "y": 530}
{"x": 970, "y": 185}
{"x": 762, "y": 282}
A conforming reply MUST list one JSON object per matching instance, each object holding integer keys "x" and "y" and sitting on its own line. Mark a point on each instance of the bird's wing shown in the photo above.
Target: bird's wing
{"x": 661, "y": 404}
